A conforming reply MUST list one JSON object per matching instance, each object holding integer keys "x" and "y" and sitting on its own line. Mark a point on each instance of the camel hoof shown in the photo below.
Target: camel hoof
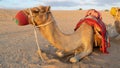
{"x": 73, "y": 60}
{"x": 59, "y": 54}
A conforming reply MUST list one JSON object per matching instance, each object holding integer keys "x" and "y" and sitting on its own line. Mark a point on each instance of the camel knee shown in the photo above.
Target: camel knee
{"x": 83, "y": 54}
{"x": 59, "y": 54}
{"x": 80, "y": 56}
{"x": 63, "y": 53}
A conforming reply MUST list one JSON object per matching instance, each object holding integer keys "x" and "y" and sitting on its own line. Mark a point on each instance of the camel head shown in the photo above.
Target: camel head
{"x": 115, "y": 12}
{"x": 36, "y": 15}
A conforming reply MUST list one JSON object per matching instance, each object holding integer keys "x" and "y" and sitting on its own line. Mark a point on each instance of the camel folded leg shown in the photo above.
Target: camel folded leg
{"x": 63, "y": 53}
{"x": 78, "y": 57}
{"x": 87, "y": 49}
{"x": 78, "y": 53}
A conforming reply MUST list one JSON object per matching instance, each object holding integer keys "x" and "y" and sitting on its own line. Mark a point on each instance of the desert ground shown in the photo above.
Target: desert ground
{"x": 18, "y": 47}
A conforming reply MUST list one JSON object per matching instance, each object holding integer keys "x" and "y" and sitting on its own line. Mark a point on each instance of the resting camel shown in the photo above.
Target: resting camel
{"x": 115, "y": 12}
{"x": 79, "y": 43}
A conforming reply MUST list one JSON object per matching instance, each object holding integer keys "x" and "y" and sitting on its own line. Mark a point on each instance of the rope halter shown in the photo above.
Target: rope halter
{"x": 32, "y": 19}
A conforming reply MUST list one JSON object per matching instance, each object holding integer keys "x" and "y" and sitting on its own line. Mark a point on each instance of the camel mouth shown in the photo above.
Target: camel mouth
{"x": 26, "y": 16}
{"x": 21, "y": 18}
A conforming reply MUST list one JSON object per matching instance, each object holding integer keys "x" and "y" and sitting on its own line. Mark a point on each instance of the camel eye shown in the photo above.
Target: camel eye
{"x": 42, "y": 11}
{"x": 35, "y": 10}
{"x": 118, "y": 10}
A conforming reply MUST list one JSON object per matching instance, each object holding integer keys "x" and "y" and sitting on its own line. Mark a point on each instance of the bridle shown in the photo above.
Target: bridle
{"x": 33, "y": 22}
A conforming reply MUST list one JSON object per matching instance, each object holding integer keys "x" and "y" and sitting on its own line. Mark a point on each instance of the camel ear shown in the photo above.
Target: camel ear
{"x": 47, "y": 8}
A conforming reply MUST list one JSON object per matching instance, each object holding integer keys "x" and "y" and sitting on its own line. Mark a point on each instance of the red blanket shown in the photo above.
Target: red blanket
{"x": 102, "y": 27}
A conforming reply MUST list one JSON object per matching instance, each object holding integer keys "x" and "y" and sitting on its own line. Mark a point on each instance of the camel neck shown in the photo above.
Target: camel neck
{"x": 52, "y": 33}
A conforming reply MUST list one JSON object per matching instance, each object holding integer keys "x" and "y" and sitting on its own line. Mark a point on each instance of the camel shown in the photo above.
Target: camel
{"x": 79, "y": 43}
{"x": 115, "y": 12}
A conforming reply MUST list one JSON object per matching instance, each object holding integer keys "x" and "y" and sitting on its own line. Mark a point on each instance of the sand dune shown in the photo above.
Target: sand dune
{"x": 18, "y": 47}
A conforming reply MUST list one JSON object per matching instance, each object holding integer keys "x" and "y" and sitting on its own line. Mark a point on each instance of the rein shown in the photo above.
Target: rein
{"x": 36, "y": 37}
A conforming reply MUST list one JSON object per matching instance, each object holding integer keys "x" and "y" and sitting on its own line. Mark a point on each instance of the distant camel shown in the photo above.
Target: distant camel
{"x": 115, "y": 12}
{"x": 79, "y": 43}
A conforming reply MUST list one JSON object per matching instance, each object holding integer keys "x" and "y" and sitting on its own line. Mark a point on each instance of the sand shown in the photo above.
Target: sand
{"x": 18, "y": 48}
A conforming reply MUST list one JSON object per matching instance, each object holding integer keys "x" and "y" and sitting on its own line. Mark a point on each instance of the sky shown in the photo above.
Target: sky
{"x": 61, "y": 4}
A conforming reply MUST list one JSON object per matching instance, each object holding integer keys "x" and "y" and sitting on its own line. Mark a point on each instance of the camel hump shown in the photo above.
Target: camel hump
{"x": 93, "y": 13}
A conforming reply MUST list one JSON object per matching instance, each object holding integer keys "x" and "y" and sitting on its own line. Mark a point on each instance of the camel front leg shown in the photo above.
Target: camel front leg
{"x": 78, "y": 57}
{"x": 81, "y": 55}
{"x": 61, "y": 53}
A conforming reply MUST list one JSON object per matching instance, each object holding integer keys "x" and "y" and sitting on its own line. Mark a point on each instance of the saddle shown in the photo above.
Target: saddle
{"x": 101, "y": 38}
